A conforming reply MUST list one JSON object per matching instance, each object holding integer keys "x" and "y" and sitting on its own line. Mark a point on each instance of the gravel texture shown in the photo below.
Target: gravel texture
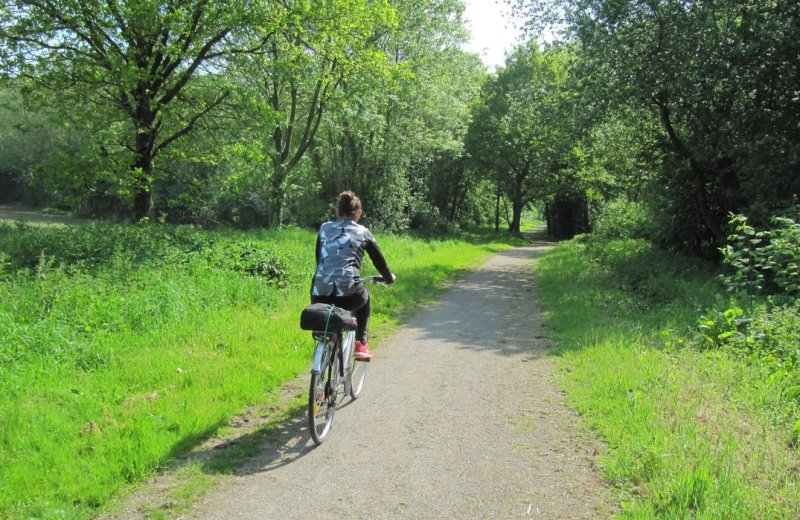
{"x": 460, "y": 417}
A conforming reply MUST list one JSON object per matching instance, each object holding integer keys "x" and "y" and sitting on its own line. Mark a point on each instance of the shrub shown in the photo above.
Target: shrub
{"x": 426, "y": 217}
{"x": 4, "y": 265}
{"x": 97, "y": 243}
{"x": 252, "y": 258}
{"x": 763, "y": 261}
{"x": 771, "y": 334}
{"x": 765, "y": 338}
{"x": 243, "y": 210}
{"x": 637, "y": 266}
{"x": 621, "y": 218}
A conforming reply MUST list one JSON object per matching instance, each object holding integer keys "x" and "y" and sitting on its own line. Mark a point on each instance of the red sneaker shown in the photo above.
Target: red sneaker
{"x": 362, "y": 353}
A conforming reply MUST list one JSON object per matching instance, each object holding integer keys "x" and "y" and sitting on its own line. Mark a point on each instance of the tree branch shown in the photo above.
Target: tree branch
{"x": 284, "y": 153}
{"x": 187, "y": 74}
{"x": 190, "y": 125}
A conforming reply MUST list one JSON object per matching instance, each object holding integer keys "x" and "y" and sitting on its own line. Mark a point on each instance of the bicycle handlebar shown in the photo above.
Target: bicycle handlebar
{"x": 375, "y": 279}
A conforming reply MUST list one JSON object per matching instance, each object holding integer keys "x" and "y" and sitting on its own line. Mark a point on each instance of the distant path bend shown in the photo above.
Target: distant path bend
{"x": 460, "y": 418}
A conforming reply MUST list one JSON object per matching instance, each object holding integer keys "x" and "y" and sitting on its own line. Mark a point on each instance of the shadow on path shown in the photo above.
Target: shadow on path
{"x": 498, "y": 296}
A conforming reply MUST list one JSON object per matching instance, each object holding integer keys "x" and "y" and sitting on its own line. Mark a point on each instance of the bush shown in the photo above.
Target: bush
{"x": 252, "y": 258}
{"x": 97, "y": 243}
{"x": 103, "y": 244}
{"x": 243, "y": 210}
{"x": 426, "y": 217}
{"x": 765, "y": 338}
{"x": 621, "y": 218}
{"x": 4, "y": 265}
{"x": 636, "y": 266}
{"x": 763, "y": 261}
{"x": 771, "y": 334}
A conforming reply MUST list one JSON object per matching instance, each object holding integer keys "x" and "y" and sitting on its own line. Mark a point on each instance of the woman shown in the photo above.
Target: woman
{"x": 340, "y": 250}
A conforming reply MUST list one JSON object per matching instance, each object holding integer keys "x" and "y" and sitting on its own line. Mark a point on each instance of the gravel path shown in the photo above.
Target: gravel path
{"x": 460, "y": 418}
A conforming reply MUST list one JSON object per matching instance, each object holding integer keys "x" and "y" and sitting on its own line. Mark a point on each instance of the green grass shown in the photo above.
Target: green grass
{"x": 122, "y": 348}
{"x": 686, "y": 432}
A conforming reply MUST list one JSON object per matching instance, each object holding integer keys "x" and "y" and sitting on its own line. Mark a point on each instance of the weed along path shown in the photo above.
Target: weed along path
{"x": 460, "y": 418}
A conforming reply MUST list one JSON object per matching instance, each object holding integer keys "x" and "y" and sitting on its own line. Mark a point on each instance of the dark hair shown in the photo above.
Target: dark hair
{"x": 348, "y": 204}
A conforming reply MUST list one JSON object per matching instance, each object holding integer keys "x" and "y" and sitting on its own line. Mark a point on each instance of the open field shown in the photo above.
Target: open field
{"x": 34, "y": 216}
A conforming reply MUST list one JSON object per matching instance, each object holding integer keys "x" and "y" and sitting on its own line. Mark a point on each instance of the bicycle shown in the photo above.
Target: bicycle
{"x": 335, "y": 373}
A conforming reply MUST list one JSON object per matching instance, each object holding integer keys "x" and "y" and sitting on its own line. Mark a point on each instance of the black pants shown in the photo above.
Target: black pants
{"x": 357, "y": 303}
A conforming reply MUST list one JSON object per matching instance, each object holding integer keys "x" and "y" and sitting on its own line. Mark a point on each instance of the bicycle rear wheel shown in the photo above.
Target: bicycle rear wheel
{"x": 322, "y": 396}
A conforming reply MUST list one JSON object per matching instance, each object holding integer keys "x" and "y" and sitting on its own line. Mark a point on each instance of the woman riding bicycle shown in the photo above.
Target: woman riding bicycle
{"x": 340, "y": 250}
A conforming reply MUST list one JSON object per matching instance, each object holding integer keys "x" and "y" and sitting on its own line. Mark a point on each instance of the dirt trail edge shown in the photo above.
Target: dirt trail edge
{"x": 460, "y": 418}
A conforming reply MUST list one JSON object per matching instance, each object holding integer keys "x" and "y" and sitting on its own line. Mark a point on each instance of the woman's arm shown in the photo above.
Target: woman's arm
{"x": 375, "y": 254}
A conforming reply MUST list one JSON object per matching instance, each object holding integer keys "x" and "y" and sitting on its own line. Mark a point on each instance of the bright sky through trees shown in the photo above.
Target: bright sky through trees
{"x": 493, "y": 33}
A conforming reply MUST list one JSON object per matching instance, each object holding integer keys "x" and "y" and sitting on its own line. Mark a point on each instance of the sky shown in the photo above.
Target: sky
{"x": 492, "y": 31}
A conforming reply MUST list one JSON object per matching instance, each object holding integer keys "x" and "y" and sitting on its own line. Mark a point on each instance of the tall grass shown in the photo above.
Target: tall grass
{"x": 122, "y": 347}
{"x": 687, "y": 432}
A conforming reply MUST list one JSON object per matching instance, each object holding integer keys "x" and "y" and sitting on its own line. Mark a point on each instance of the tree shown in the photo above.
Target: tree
{"x": 134, "y": 62}
{"x": 393, "y": 129}
{"x": 289, "y": 85}
{"x": 524, "y": 130}
{"x": 720, "y": 78}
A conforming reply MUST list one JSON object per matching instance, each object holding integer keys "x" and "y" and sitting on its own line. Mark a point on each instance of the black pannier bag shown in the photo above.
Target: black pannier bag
{"x": 317, "y": 315}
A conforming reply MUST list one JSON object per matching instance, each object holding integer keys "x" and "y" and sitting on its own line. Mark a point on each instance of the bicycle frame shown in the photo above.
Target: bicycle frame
{"x": 326, "y": 379}
{"x": 344, "y": 342}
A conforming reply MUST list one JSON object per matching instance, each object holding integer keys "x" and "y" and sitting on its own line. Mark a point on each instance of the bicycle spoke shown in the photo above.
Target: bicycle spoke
{"x": 322, "y": 398}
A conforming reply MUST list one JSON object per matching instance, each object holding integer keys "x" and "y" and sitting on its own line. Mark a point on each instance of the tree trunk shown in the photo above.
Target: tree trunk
{"x": 142, "y": 169}
{"x": 277, "y": 194}
{"x": 144, "y": 154}
{"x": 518, "y": 201}
{"x": 516, "y": 215}
{"x": 547, "y": 214}
{"x": 709, "y": 220}
{"x": 142, "y": 204}
{"x": 497, "y": 208}
{"x": 700, "y": 171}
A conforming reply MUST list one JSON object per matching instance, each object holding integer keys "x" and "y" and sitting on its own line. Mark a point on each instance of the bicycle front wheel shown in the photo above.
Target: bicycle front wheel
{"x": 358, "y": 373}
{"x": 322, "y": 397}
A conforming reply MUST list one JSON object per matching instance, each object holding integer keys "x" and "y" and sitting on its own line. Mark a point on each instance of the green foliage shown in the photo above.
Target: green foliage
{"x": 766, "y": 332}
{"x": 721, "y": 327}
{"x": 252, "y": 258}
{"x": 98, "y": 243}
{"x": 129, "y": 74}
{"x": 623, "y": 156}
{"x": 763, "y": 260}
{"x": 766, "y": 337}
{"x": 286, "y": 88}
{"x": 621, "y": 218}
{"x": 294, "y": 109}
{"x": 395, "y": 134}
{"x": 686, "y": 431}
{"x": 643, "y": 272}
{"x": 706, "y": 73}
{"x": 521, "y": 132}
{"x": 5, "y": 265}
{"x": 124, "y": 346}
{"x": 426, "y": 217}
{"x": 774, "y": 336}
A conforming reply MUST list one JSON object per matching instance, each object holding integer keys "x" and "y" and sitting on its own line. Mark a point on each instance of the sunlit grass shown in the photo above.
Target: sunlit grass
{"x": 685, "y": 433}
{"x": 111, "y": 370}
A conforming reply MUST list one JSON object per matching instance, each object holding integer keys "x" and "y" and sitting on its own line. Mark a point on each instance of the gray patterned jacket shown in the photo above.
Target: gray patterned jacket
{"x": 340, "y": 251}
